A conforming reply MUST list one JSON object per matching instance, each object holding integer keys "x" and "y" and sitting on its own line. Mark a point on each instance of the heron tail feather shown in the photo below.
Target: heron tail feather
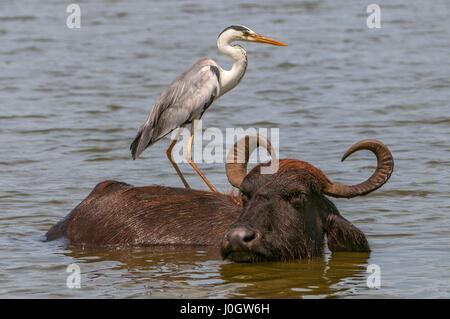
{"x": 142, "y": 140}
{"x": 135, "y": 144}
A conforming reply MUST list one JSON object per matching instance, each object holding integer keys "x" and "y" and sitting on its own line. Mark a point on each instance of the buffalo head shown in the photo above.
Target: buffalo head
{"x": 286, "y": 215}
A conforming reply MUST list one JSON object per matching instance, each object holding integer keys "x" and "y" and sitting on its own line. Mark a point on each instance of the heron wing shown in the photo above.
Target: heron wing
{"x": 185, "y": 100}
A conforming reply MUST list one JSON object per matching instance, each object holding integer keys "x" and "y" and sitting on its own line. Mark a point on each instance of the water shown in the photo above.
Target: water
{"x": 71, "y": 102}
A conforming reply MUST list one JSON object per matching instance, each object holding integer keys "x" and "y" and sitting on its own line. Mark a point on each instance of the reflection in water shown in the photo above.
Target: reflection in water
{"x": 166, "y": 266}
{"x": 319, "y": 276}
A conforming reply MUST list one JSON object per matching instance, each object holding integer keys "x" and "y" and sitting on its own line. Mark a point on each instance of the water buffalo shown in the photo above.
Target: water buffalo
{"x": 280, "y": 216}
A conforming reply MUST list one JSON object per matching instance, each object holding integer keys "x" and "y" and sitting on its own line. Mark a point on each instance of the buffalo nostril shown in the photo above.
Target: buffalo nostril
{"x": 249, "y": 236}
{"x": 241, "y": 237}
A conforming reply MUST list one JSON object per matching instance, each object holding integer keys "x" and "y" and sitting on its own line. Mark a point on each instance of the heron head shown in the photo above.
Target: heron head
{"x": 242, "y": 33}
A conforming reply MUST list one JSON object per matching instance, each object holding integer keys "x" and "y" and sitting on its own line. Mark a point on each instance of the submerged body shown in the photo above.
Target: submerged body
{"x": 279, "y": 216}
{"x": 116, "y": 213}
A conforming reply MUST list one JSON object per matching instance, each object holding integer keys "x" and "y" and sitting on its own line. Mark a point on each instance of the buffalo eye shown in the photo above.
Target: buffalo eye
{"x": 295, "y": 197}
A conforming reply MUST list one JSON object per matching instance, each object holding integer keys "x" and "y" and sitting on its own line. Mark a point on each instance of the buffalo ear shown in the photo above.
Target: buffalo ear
{"x": 343, "y": 235}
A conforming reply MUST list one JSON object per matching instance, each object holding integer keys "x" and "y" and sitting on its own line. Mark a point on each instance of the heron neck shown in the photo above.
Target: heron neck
{"x": 230, "y": 78}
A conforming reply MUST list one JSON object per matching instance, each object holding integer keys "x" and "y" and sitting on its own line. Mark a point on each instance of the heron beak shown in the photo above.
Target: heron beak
{"x": 263, "y": 39}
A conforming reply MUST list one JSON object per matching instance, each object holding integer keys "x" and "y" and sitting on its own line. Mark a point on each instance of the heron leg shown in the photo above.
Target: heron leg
{"x": 177, "y": 169}
{"x": 194, "y": 166}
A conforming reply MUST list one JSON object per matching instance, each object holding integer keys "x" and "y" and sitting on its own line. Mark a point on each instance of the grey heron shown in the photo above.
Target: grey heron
{"x": 190, "y": 95}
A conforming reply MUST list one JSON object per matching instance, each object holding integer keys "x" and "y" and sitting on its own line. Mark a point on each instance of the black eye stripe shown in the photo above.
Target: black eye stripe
{"x": 245, "y": 30}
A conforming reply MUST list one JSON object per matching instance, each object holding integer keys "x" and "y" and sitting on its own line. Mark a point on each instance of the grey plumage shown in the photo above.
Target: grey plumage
{"x": 190, "y": 95}
{"x": 184, "y": 101}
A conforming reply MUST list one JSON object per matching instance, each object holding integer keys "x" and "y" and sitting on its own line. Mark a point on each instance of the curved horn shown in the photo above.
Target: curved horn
{"x": 385, "y": 166}
{"x": 238, "y": 157}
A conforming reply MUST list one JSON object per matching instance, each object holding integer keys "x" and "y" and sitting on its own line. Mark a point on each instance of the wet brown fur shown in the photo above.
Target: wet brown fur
{"x": 116, "y": 213}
